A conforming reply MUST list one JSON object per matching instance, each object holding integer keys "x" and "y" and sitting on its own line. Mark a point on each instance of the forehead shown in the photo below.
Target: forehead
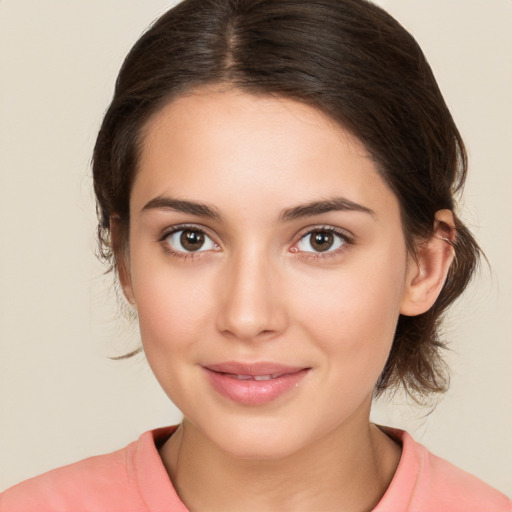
{"x": 234, "y": 147}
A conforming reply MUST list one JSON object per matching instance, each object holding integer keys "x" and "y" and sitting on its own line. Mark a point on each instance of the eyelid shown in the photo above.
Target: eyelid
{"x": 345, "y": 233}
{"x": 167, "y": 232}
{"x": 347, "y": 236}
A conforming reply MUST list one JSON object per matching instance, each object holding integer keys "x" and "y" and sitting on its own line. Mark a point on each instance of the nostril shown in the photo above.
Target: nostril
{"x": 249, "y": 306}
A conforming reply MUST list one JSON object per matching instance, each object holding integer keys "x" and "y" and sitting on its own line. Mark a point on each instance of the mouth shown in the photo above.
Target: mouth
{"x": 253, "y": 377}
{"x": 254, "y": 384}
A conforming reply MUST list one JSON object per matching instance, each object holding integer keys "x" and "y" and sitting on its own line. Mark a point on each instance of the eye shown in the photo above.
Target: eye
{"x": 189, "y": 240}
{"x": 321, "y": 240}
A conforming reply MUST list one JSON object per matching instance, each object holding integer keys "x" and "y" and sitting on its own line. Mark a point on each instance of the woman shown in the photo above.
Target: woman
{"x": 275, "y": 184}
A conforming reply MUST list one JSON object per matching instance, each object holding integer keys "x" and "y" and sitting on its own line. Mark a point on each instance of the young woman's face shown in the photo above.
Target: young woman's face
{"x": 268, "y": 267}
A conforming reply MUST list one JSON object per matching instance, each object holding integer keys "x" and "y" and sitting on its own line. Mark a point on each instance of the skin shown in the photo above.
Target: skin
{"x": 258, "y": 290}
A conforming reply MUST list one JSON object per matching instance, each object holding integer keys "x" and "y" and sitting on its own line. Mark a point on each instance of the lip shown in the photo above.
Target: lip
{"x": 254, "y": 383}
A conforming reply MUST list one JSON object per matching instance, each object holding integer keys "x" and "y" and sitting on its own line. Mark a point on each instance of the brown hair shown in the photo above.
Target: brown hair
{"x": 347, "y": 58}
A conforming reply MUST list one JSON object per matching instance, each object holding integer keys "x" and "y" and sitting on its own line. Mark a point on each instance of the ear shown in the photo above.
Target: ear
{"x": 428, "y": 269}
{"x": 122, "y": 257}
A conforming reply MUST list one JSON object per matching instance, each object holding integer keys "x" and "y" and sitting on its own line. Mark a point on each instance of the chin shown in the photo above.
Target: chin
{"x": 258, "y": 440}
{"x": 263, "y": 449}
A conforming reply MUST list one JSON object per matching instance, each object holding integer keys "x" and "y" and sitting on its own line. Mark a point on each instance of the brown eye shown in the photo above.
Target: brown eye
{"x": 321, "y": 240}
{"x": 191, "y": 240}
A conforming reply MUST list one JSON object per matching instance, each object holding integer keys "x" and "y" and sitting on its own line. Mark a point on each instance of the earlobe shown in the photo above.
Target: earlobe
{"x": 428, "y": 270}
{"x": 122, "y": 258}
{"x": 126, "y": 285}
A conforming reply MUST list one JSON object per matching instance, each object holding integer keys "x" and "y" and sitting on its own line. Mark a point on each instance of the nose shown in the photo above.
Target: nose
{"x": 252, "y": 304}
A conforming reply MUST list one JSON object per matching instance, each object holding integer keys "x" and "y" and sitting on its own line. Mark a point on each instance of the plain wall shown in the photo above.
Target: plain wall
{"x": 61, "y": 398}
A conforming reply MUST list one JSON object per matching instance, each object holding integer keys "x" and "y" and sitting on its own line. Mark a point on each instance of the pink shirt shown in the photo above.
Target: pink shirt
{"x": 134, "y": 480}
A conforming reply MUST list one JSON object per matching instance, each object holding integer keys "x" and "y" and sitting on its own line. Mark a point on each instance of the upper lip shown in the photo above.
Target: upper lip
{"x": 254, "y": 369}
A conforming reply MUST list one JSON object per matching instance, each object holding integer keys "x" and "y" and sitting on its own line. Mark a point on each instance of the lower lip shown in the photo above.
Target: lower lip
{"x": 254, "y": 392}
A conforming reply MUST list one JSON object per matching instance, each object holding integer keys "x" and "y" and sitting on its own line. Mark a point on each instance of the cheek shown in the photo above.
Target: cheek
{"x": 173, "y": 308}
{"x": 352, "y": 313}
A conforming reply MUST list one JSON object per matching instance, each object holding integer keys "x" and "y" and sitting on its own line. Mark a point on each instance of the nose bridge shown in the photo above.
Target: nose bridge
{"x": 251, "y": 305}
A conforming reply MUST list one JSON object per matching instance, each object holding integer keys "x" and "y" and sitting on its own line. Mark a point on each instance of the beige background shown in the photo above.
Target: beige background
{"x": 61, "y": 399}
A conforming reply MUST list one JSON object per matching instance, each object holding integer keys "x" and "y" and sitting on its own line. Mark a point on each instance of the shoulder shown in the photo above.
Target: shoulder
{"x": 104, "y": 482}
{"x": 459, "y": 489}
{"x": 425, "y": 482}
{"x": 89, "y": 484}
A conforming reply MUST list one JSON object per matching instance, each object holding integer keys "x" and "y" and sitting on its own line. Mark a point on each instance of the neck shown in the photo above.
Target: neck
{"x": 348, "y": 469}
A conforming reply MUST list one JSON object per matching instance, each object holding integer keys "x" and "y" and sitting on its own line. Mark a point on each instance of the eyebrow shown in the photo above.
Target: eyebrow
{"x": 325, "y": 206}
{"x": 287, "y": 215}
{"x": 180, "y": 205}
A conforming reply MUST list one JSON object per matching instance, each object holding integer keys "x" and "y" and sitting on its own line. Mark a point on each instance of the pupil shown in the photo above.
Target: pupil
{"x": 322, "y": 241}
{"x": 192, "y": 240}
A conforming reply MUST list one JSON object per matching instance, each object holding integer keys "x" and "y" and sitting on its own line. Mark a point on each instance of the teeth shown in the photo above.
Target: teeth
{"x": 263, "y": 377}
{"x": 256, "y": 377}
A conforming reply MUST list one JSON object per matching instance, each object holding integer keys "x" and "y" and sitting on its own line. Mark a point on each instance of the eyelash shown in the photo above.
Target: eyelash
{"x": 182, "y": 254}
{"x": 346, "y": 238}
